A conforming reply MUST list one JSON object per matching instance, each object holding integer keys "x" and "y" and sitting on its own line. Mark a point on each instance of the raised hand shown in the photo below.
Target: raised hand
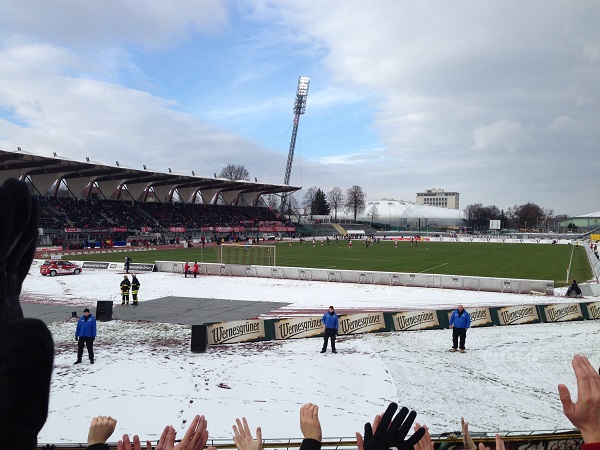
{"x": 425, "y": 443}
{"x": 386, "y": 433}
{"x": 101, "y": 429}
{"x": 585, "y": 413}
{"x": 125, "y": 443}
{"x": 467, "y": 441}
{"x": 309, "y": 422}
{"x": 499, "y": 444}
{"x": 243, "y": 437}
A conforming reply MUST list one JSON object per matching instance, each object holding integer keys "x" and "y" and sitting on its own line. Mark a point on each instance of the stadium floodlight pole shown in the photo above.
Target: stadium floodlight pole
{"x": 299, "y": 108}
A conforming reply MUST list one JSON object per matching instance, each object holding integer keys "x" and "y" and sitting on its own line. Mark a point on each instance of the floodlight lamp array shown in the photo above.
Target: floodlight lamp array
{"x": 301, "y": 95}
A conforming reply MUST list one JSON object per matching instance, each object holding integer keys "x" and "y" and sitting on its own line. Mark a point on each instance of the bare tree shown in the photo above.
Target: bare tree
{"x": 272, "y": 201}
{"x": 527, "y": 216}
{"x": 336, "y": 200}
{"x": 479, "y": 216}
{"x": 373, "y": 213}
{"x": 309, "y": 199}
{"x": 233, "y": 172}
{"x": 355, "y": 200}
{"x": 291, "y": 206}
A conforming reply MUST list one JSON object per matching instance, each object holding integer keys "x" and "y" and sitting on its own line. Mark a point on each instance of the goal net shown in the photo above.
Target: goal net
{"x": 259, "y": 255}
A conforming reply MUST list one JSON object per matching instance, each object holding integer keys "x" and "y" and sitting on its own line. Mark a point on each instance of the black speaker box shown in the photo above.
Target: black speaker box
{"x": 199, "y": 338}
{"x": 104, "y": 311}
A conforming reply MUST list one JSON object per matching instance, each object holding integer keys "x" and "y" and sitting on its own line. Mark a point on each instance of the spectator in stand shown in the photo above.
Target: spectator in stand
{"x": 26, "y": 346}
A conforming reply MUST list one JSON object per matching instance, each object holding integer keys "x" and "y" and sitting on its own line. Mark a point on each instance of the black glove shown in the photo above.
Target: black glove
{"x": 392, "y": 435}
{"x": 76, "y": 338}
{"x": 26, "y": 350}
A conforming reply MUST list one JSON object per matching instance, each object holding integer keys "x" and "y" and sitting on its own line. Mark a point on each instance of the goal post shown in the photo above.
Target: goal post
{"x": 258, "y": 255}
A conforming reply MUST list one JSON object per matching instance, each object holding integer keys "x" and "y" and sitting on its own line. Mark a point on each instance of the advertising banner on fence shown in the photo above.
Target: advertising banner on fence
{"x": 238, "y": 331}
{"x": 479, "y": 316}
{"x": 298, "y": 327}
{"x": 563, "y": 312}
{"x": 514, "y": 315}
{"x": 415, "y": 320}
{"x": 94, "y": 265}
{"x": 361, "y": 323}
{"x": 141, "y": 267}
{"x": 594, "y": 310}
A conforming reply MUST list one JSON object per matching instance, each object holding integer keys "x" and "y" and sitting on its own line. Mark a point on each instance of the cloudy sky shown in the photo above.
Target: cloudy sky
{"x": 499, "y": 101}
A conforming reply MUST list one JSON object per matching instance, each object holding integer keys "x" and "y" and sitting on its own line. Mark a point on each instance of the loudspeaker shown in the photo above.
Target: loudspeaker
{"x": 199, "y": 338}
{"x": 104, "y": 311}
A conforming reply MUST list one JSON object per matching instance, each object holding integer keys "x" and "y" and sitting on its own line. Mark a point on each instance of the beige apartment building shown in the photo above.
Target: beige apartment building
{"x": 439, "y": 198}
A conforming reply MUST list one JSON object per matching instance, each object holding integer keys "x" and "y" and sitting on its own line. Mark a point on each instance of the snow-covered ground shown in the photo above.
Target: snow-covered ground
{"x": 147, "y": 377}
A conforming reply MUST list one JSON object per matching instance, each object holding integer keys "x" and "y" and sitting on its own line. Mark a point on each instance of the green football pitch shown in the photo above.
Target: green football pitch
{"x": 504, "y": 260}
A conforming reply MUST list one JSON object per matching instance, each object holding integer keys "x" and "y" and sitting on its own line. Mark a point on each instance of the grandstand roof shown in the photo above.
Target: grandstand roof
{"x": 588, "y": 215}
{"x": 83, "y": 178}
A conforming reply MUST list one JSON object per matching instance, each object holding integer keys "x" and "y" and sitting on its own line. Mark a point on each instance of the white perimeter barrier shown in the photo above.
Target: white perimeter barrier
{"x": 489, "y": 284}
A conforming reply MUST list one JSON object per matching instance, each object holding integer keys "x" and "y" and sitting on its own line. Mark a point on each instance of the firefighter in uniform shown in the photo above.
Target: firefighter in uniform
{"x": 135, "y": 287}
{"x": 125, "y": 285}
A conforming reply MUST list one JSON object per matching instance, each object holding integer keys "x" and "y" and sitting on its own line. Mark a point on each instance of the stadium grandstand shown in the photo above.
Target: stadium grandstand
{"x": 82, "y": 203}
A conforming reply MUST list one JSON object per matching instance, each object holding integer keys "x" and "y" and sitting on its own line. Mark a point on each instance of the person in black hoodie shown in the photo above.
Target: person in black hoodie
{"x": 27, "y": 349}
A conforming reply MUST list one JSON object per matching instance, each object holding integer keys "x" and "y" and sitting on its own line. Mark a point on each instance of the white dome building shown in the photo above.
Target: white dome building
{"x": 409, "y": 216}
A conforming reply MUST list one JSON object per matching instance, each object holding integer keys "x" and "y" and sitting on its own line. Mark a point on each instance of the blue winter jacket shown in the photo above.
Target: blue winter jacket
{"x": 463, "y": 321}
{"x": 86, "y": 328}
{"x": 330, "y": 320}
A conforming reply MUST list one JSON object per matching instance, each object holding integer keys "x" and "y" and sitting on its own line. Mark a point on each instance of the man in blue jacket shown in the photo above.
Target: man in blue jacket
{"x": 330, "y": 322}
{"x": 460, "y": 320}
{"x": 85, "y": 335}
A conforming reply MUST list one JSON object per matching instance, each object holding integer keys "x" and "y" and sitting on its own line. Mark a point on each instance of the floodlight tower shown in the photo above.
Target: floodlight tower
{"x": 299, "y": 108}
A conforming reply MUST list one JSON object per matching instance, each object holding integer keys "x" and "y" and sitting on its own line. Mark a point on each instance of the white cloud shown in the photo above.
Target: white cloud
{"x": 405, "y": 96}
{"x": 500, "y": 135}
{"x": 153, "y": 24}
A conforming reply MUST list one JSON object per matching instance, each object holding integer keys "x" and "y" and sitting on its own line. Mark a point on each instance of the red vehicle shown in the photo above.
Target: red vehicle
{"x": 54, "y": 268}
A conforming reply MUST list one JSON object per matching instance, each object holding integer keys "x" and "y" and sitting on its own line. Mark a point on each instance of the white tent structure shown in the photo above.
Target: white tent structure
{"x": 410, "y": 216}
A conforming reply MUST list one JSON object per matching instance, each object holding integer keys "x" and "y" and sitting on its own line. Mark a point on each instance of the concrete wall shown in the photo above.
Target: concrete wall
{"x": 510, "y": 285}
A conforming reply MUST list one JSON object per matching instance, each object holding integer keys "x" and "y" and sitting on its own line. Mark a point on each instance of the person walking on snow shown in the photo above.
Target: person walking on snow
{"x": 460, "y": 321}
{"x": 331, "y": 323}
{"x": 85, "y": 333}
